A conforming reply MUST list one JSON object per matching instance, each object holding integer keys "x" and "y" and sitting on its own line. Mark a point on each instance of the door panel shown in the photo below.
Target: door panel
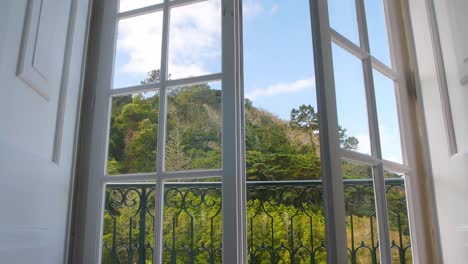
{"x": 42, "y": 52}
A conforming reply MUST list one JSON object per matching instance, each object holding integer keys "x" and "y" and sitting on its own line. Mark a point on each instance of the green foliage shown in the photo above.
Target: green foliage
{"x": 276, "y": 150}
{"x": 267, "y": 167}
{"x": 133, "y": 134}
{"x": 347, "y": 142}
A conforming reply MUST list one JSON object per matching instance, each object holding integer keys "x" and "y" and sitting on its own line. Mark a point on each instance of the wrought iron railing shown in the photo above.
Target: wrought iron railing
{"x": 285, "y": 222}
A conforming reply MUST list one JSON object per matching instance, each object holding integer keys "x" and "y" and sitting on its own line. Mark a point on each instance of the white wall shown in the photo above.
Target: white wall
{"x": 450, "y": 170}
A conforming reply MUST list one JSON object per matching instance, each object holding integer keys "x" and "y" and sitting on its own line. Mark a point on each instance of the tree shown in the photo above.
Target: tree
{"x": 152, "y": 77}
{"x": 306, "y": 119}
{"x": 347, "y": 142}
{"x": 176, "y": 159}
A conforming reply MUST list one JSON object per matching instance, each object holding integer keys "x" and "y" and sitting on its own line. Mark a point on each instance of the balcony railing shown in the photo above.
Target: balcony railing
{"x": 285, "y": 222}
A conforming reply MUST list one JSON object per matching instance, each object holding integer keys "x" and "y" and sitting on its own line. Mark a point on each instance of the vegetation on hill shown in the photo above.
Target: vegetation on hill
{"x": 276, "y": 149}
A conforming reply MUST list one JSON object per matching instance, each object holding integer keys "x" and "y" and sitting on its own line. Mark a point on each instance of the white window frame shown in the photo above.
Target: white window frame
{"x": 398, "y": 73}
{"x": 99, "y": 74}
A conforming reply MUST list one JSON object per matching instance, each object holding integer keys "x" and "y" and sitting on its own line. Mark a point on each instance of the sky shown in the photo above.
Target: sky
{"x": 278, "y": 58}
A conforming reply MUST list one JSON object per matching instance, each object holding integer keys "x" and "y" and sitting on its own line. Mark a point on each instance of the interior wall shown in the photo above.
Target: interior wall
{"x": 449, "y": 166}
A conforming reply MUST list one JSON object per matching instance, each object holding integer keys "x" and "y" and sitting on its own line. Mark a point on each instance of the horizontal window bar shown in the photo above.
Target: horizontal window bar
{"x": 194, "y": 80}
{"x": 155, "y": 8}
{"x": 373, "y": 161}
{"x": 177, "y": 3}
{"x": 141, "y": 11}
{"x": 396, "y": 167}
{"x": 359, "y": 157}
{"x": 135, "y": 89}
{"x": 131, "y": 177}
{"x": 384, "y": 69}
{"x": 165, "y": 175}
{"x": 302, "y": 183}
{"x": 192, "y": 174}
{"x": 348, "y": 45}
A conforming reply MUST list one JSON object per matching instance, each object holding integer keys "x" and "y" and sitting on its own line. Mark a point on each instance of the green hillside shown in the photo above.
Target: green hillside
{"x": 276, "y": 149}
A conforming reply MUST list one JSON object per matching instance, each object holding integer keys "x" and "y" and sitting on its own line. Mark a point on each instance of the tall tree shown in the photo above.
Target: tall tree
{"x": 347, "y": 142}
{"x": 306, "y": 119}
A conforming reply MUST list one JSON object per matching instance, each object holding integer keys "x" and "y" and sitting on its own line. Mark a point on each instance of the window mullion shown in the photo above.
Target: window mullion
{"x": 333, "y": 187}
{"x": 424, "y": 246}
{"x": 161, "y": 138}
{"x": 92, "y": 167}
{"x": 234, "y": 248}
{"x": 378, "y": 170}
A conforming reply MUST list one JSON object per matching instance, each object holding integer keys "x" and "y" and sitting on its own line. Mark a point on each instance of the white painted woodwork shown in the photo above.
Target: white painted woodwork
{"x": 458, "y": 15}
{"x": 449, "y": 168}
{"x": 454, "y": 45}
{"x": 41, "y": 53}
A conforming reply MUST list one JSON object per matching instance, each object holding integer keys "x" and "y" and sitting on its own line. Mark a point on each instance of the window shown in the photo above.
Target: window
{"x": 214, "y": 140}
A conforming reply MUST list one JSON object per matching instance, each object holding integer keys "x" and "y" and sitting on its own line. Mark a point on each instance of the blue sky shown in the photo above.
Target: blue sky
{"x": 278, "y": 58}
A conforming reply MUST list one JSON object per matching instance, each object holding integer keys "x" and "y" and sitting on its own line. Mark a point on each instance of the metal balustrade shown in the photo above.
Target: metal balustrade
{"x": 285, "y": 222}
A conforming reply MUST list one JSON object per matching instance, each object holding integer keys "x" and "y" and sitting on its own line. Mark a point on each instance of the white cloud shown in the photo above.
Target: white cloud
{"x": 139, "y": 39}
{"x": 364, "y": 144}
{"x": 194, "y": 40}
{"x": 281, "y": 88}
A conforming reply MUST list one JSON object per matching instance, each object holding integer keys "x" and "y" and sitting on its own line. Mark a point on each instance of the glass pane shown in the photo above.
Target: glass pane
{"x": 361, "y": 221}
{"x": 398, "y": 218}
{"x": 387, "y": 114}
{"x": 377, "y": 28}
{"x": 138, "y": 50}
{"x": 285, "y": 219}
{"x": 343, "y": 18}
{"x": 194, "y": 127}
{"x": 351, "y": 101}
{"x": 195, "y": 39}
{"x": 128, "y": 223}
{"x": 192, "y": 225}
{"x": 133, "y": 133}
{"x": 126, "y": 5}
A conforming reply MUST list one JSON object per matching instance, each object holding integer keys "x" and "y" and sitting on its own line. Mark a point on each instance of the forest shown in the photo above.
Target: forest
{"x": 285, "y": 222}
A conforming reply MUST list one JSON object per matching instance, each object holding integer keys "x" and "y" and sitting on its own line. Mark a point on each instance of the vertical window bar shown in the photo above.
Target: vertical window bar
{"x": 159, "y": 189}
{"x": 392, "y": 18}
{"x": 233, "y": 182}
{"x": 93, "y": 167}
{"x": 329, "y": 141}
{"x": 242, "y": 167}
{"x": 378, "y": 172}
{"x": 404, "y": 92}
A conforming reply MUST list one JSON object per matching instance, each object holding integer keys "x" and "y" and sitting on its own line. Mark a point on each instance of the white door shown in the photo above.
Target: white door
{"x": 41, "y": 55}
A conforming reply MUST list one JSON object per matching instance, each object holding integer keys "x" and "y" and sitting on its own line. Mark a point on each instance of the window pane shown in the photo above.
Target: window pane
{"x": 133, "y": 133}
{"x": 387, "y": 114}
{"x": 343, "y": 18}
{"x": 194, "y": 127}
{"x": 285, "y": 220}
{"x": 128, "y": 223}
{"x": 398, "y": 218}
{"x": 138, "y": 50}
{"x": 126, "y": 5}
{"x": 195, "y": 39}
{"x": 351, "y": 101}
{"x": 377, "y": 28}
{"x": 192, "y": 225}
{"x": 361, "y": 221}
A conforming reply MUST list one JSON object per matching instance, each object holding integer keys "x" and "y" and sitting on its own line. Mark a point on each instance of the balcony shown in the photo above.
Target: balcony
{"x": 285, "y": 222}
